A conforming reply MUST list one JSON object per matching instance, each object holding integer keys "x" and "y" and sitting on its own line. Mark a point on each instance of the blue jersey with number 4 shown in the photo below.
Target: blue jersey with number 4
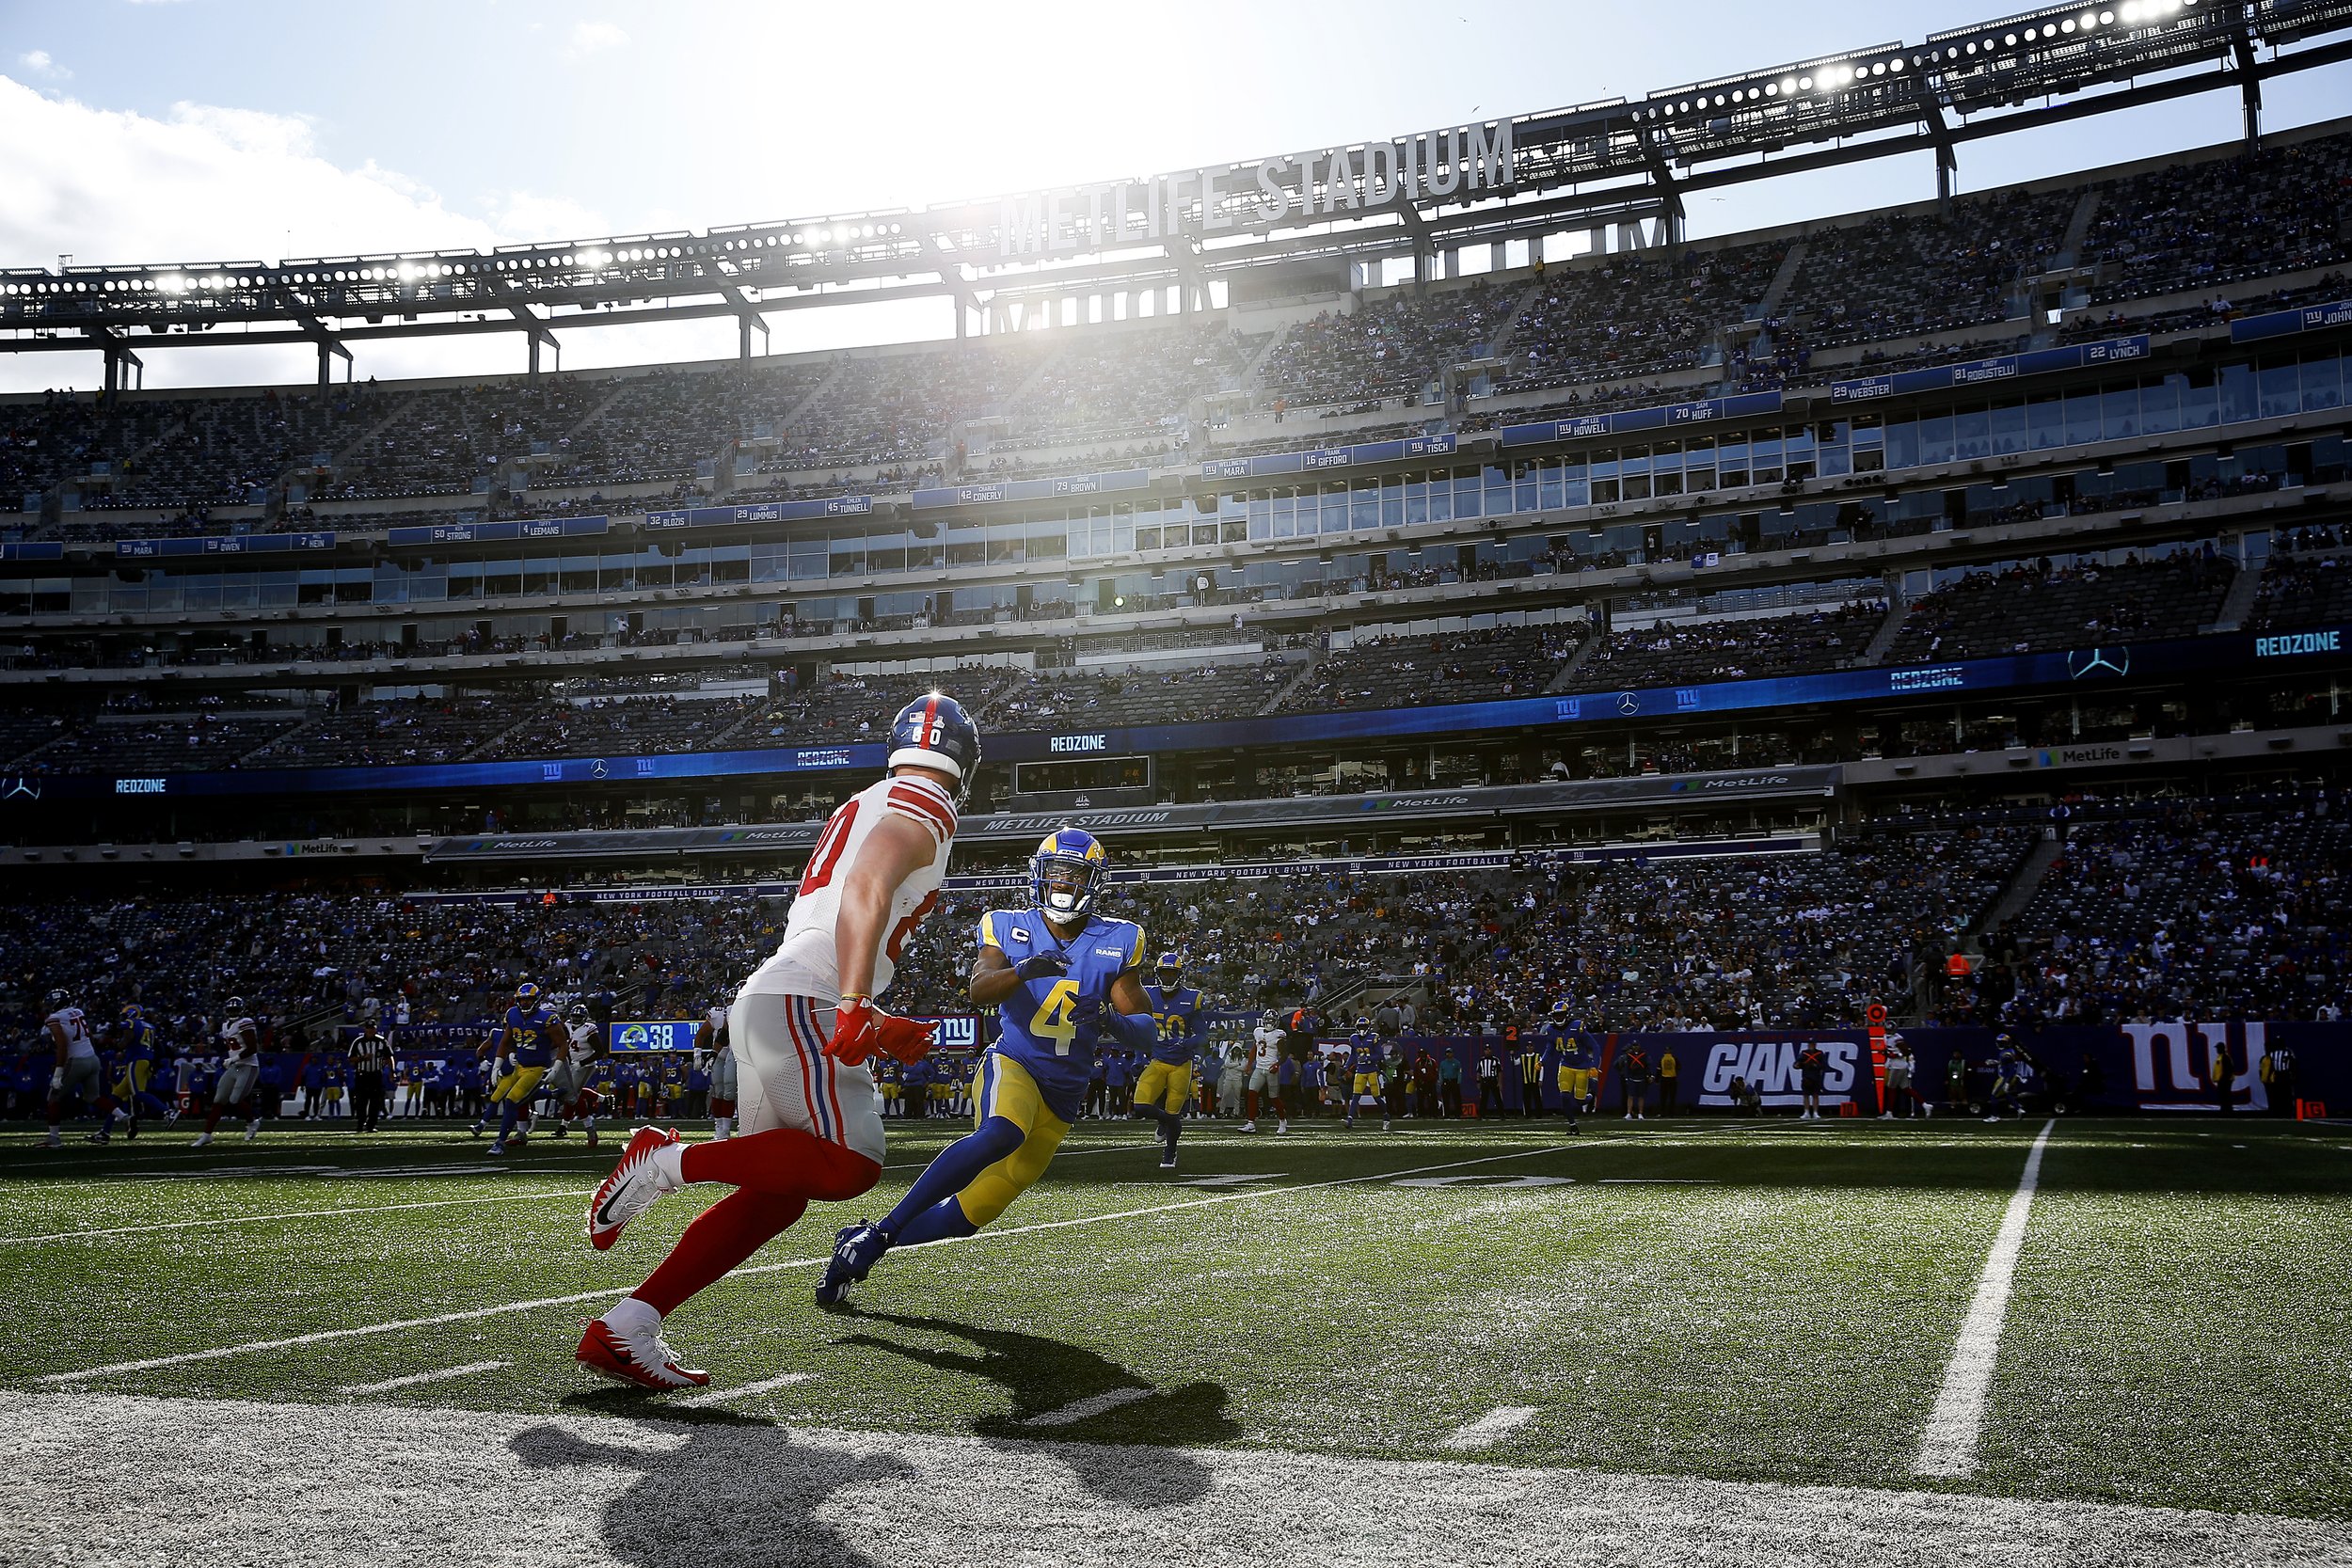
{"x": 1177, "y": 1011}
{"x": 1034, "y": 1023}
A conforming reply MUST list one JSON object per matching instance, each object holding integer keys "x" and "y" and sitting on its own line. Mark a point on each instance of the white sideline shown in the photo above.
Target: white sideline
{"x": 720, "y": 1396}
{"x": 1240, "y": 1195}
{"x": 415, "y": 1378}
{"x": 1948, "y": 1446}
{"x": 1080, "y": 1409}
{"x": 1489, "y": 1429}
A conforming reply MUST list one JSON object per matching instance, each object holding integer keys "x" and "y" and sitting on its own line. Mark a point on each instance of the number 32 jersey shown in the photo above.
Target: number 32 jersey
{"x": 808, "y": 963}
{"x": 1035, "y": 1026}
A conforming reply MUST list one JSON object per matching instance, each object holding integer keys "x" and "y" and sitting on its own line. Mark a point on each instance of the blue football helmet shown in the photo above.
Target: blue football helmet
{"x": 526, "y": 995}
{"x": 1066, "y": 873}
{"x": 935, "y": 732}
{"x": 1172, "y": 968}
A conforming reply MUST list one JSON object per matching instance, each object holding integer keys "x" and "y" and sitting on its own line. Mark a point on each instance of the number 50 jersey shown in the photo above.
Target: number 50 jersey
{"x": 1035, "y": 1028}
{"x": 808, "y": 963}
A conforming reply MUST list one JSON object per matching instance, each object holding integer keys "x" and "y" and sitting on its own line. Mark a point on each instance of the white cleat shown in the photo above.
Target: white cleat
{"x": 201, "y": 1139}
{"x": 1246, "y": 1127}
{"x": 1281, "y": 1126}
{"x": 653, "y": 1164}
{"x": 1886, "y": 1115}
{"x": 252, "y": 1131}
{"x": 53, "y": 1140}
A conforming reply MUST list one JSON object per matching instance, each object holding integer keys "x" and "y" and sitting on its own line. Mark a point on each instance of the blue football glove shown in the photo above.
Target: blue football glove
{"x": 1042, "y": 966}
{"x": 1087, "y": 1015}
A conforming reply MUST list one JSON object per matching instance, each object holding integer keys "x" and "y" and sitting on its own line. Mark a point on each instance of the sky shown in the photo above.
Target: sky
{"x": 143, "y": 131}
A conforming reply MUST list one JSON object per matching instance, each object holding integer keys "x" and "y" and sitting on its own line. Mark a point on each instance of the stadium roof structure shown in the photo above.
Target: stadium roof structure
{"x": 1425, "y": 196}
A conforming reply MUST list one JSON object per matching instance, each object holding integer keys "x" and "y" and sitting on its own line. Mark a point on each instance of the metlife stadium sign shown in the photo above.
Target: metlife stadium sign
{"x": 1452, "y": 164}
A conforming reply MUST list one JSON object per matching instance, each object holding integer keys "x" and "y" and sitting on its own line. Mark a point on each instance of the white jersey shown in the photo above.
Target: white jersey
{"x": 75, "y": 1025}
{"x": 717, "y": 1019}
{"x": 242, "y": 1038}
{"x": 806, "y": 964}
{"x": 1267, "y": 1048}
{"x": 583, "y": 1042}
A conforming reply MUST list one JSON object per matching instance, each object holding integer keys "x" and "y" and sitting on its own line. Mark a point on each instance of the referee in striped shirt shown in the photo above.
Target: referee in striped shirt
{"x": 370, "y": 1055}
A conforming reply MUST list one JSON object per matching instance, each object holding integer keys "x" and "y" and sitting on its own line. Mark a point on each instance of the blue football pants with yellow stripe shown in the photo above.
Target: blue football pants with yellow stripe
{"x": 977, "y": 1178}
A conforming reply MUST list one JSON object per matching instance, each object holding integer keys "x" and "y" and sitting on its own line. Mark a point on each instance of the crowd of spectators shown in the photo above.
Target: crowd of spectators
{"x": 2237, "y": 908}
{"x": 1449, "y": 667}
{"x": 2215, "y": 224}
{"x": 1385, "y": 348}
{"x": 1668, "y": 653}
{"x": 1638, "y": 313}
{"x": 2034, "y": 607}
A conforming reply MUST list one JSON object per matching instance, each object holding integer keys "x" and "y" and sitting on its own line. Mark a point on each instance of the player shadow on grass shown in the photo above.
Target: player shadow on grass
{"x": 764, "y": 1485}
{"x": 1045, "y": 1375}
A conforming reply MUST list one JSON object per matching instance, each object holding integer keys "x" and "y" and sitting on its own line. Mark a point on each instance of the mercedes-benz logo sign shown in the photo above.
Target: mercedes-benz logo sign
{"x": 2082, "y": 663}
{"x": 598, "y": 770}
{"x": 1627, "y": 703}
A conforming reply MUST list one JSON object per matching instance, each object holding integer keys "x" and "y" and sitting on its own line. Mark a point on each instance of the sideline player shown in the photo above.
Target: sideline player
{"x": 240, "y": 1072}
{"x": 1363, "y": 1070}
{"x": 803, "y": 1028}
{"x": 527, "y": 1040}
{"x": 712, "y": 1038}
{"x": 1165, "y": 1088}
{"x": 76, "y": 1072}
{"x": 567, "y": 1083}
{"x": 1265, "y": 1061}
{"x": 1063, "y": 981}
{"x": 137, "y": 1037}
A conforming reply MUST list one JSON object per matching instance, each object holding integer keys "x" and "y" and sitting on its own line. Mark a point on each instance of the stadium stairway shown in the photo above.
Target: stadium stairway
{"x": 2077, "y": 230}
{"x": 1500, "y": 344}
{"x": 489, "y": 745}
{"x": 1307, "y": 668}
{"x": 1568, "y": 671}
{"x": 1783, "y": 280}
{"x": 2239, "y": 602}
{"x": 1898, "y": 611}
{"x": 2021, "y": 888}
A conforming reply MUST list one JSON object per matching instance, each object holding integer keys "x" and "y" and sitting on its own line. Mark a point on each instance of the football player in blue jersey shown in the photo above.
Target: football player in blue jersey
{"x": 1063, "y": 980}
{"x": 1363, "y": 1067}
{"x": 527, "y": 1038}
{"x": 136, "y": 1061}
{"x": 1165, "y": 1089}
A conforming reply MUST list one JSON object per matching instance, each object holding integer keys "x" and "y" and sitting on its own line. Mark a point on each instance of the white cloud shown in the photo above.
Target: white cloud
{"x": 208, "y": 182}
{"x": 593, "y": 37}
{"x": 39, "y": 63}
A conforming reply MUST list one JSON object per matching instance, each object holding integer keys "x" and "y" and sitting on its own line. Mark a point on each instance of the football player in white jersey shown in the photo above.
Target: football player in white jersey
{"x": 801, "y": 1032}
{"x": 566, "y": 1088}
{"x": 76, "y": 1073}
{"x": 711, "y": 1038}
{"x": 239, "y": 1071}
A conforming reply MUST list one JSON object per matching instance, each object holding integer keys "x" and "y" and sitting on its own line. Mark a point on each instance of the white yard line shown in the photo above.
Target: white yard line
{"x": 1240, "y": 1195}
{"x": 1949, "y": 1448}
{"x": 415, "y": 1378}
{"x": 297, "y": 1214}
{"x": 1489, "y": 1429}
{"x": 720, "y": 1396}
{"x": 1081, "y": 1409}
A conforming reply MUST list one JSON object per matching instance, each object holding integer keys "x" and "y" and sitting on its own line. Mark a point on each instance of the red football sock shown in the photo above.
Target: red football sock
{"x": 727, "y": 1233}
{"x": 1253, "y": 1104}
{"x": 783, "y": 1161}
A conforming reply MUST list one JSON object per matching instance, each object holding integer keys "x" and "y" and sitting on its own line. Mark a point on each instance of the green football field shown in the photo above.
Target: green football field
{"x": 1696, "y": 1340}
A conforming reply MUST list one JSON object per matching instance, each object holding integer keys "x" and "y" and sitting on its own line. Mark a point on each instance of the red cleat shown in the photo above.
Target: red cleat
{"x": 645, "y": 1359}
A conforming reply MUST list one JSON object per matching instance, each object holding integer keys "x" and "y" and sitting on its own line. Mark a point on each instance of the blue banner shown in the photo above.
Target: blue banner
{"x": 766, "y": 511}
{"x": 1625, "y": 420}
{"x": 650, "y": 1034}
{"x": 37, "y": 550}
{"x": 2001, "y": 367}
{"x": 2281, "y": 323}
{"x": 1322, "y": 458}
{"x": 1032, "y": 489}
{"x": 235, "y": 544}
{"x": 487, "y": 534}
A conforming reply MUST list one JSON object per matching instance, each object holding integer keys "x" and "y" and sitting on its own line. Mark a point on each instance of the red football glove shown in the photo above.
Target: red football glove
{"x": 860, "y": 1029}
{"x": 853, "y": 1032}
{"x": 907, "y": 1040}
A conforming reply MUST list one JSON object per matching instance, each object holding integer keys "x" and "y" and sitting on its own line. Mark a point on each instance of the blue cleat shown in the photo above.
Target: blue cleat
{"x": 856, "y": 1248}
